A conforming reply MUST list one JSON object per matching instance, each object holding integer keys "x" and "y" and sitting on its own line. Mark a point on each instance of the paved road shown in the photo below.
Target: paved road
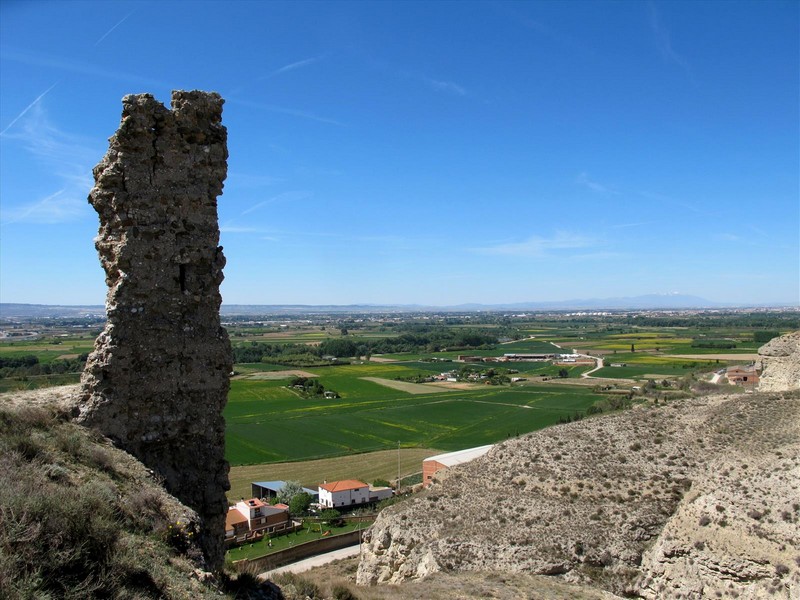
{"x": 314, "y": 561}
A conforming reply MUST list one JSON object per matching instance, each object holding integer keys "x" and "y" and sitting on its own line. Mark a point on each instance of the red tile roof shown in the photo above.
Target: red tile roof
{"x": 343, "y": 485}
{"x": 234, "y": 517}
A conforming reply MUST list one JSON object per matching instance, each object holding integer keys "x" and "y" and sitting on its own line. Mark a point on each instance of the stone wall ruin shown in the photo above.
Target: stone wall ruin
{"x": 158, "y": 378}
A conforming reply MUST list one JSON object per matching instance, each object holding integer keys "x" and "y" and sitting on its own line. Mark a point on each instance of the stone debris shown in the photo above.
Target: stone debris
{"x": 158, "y": 378}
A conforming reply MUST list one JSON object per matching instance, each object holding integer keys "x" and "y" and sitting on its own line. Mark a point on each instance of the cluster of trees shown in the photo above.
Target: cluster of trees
{"x": 762, "y": 337}
{"x": 293, "y": 355}
{"x": 720, "y": 344}
{"x": 494, "y": 376}
{"x": 570, "y": 418}
{"x": 431, "y": 341}
{"x": 293, "y": 495}
{"x": 309, "y": 387}
{"x": 29, "y": 365}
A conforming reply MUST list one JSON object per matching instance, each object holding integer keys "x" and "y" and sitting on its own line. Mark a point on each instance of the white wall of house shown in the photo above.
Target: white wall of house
{"x": 343, "y": 498}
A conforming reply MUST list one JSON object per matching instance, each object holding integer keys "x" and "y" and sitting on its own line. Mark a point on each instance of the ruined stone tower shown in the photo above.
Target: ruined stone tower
{"x": 157, "y": 380}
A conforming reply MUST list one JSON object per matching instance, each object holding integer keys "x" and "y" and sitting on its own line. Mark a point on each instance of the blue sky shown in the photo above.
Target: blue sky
{"x": 434, "y": 153}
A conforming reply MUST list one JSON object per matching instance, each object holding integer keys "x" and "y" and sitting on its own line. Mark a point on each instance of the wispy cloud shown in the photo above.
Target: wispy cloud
{"x": 59, "y": 207}
{"x": 295, "y": 65}
{"x": 584, "y": 180}
{"x": 27, "y": 108}
{"x": 284, "y": 197}
{"x": 448, "y": 87}
{"x": 284, "y": 69}
{"x": 76, "y": 66}
{"x": 663, "y": 39}
{"x": 120, "y": 22}
{"x": 67, "y": 157}
{"x": 302, "y": 114}
{"x": 538, "y": 246}
{"x": 662, "y": 198}
{"x": 246, "y": 180}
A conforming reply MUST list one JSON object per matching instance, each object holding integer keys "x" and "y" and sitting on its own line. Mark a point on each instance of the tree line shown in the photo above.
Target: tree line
{"x": 29, "y": 365}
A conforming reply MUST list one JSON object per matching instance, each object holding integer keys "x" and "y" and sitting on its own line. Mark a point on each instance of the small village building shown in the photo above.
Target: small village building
{"x": 742, "y": 375}
{"x": 434, "y": 464}
{"x": 529, "y": 357}
{"x": 344, "y": 493}
{"x": 376, "y": 494}
{"x": 258, "y": 516}
{"x": 250, "y": 519}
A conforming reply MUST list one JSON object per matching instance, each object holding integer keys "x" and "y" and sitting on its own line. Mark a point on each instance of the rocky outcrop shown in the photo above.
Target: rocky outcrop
{"x": 780, "y": 363}
{"x": 684, "y": 500}
{"x": 157, "y": 380}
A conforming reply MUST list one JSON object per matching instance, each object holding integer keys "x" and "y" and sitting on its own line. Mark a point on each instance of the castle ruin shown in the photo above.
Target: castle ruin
{"x": 158, "y": 378}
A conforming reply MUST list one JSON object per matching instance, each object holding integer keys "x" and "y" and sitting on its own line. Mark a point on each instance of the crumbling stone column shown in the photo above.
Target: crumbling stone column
{"x": 158, "y": 377}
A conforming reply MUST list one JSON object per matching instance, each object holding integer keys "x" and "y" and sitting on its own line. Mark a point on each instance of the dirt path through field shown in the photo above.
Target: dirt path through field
{"x": 278, "y": 374}
{"x": 404, "y": 386}
{"x": 741, "y": 357}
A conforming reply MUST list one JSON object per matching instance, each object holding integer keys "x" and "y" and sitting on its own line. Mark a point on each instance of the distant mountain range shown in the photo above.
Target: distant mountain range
{"x": 646, "y": 302}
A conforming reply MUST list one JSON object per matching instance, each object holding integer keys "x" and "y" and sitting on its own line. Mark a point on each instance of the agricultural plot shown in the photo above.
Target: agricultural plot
{"x": 266, "y": 422}
{"x": 367, "y": 467}
{"x": 47, "y": 351}
{"x": 640, "y": 365}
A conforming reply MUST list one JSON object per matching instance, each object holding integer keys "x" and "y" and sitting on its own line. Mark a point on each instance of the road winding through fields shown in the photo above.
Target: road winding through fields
{"x": 600, "y": 365}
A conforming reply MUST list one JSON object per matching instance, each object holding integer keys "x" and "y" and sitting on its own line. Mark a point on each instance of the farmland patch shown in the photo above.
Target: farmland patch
{"x": 403, "y": 386}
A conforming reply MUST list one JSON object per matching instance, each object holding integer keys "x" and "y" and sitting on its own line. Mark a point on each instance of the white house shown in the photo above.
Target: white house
{"x": 348, "y": 492}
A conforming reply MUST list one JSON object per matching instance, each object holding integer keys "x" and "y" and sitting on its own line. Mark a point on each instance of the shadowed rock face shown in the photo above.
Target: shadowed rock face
{"x": 157, "y": 380}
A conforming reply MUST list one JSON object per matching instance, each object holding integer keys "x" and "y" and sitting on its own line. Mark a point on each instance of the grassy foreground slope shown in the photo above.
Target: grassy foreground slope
{"x": 82, "y": 519}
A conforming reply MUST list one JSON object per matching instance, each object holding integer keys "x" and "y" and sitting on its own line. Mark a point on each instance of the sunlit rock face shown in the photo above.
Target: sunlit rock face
{"x": 780, "y": 363}
{"x": 158, "y": 377}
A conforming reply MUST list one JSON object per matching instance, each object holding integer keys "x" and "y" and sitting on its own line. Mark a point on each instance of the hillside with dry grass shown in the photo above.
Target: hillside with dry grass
{"x": 81, "y": 519}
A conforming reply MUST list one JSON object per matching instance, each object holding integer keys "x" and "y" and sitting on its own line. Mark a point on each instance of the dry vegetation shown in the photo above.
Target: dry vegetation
{"x": 82, "y": 519}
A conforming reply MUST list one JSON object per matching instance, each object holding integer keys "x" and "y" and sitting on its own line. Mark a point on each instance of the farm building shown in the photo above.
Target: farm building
{"x": 347, "y": 492}
{"x": 351, "y": 492}
{"x": 529, "y": 357}
{"x": 434, "y": 464}
{"x": 376, "y": 494}
{"x": 742, "y": 375}
{"x": 270, "y": 489}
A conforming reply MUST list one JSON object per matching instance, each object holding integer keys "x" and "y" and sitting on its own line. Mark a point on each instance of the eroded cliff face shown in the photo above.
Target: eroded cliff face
{"x": 696, "y": 498}
{"x": 780, "y": 363}
{"x": 158, "y": 378}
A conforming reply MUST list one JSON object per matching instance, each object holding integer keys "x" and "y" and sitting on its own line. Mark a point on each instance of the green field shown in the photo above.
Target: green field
{"x": 267, "y": 422}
